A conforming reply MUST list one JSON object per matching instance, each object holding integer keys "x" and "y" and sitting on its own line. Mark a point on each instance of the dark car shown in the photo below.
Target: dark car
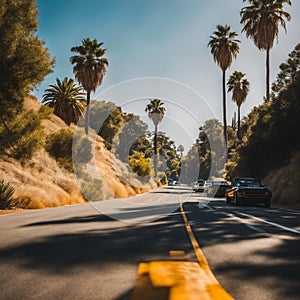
{"x": 217, "y": 188}
{"x": 198, "y": 186}
{"x": 249, "y": 191}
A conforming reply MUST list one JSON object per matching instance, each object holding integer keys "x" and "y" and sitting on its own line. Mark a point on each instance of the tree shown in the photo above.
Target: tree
{"x": 89, "y": 69}
{"x": 171, "y": 160}
{"x": 211, "y": 150}
{"x": 156, "y": 112}
{"x": 180, "y": 149}
{"x": 240, "y": 89}
{"x": 67, "y": 100}
{"x": 24, "y": 60}
{"x": 261, "y": 20}
{"x": 224, "y": 47}
{"x": 132, "y": 138}
{"x": 288, "y": 70}
{"x": 23, "y": 135}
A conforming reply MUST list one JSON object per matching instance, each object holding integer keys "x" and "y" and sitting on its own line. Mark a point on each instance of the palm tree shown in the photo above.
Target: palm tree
{"x": 261, "y": 20}
{"x": 240, "y": 87}
{"x": 224, "y": 47}
{"x": 67, "y": 99}
{"x": 89, "y": 69}
{"x": 156, "y": 112}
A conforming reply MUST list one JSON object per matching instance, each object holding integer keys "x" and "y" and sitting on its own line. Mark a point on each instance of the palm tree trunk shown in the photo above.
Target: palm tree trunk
{"x": 155, "y": 152}
{"x": 224, "y": 108}
{"x": 87, "y": 113}
{"x": 268, "y": 75}
{"x": 239, "y": 122}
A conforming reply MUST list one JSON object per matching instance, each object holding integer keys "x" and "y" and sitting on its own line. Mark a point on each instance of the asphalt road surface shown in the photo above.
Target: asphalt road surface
{"x": 92, "y": 251}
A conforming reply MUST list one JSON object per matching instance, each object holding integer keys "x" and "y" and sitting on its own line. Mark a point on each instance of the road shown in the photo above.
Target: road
{"x": 77, "y": 252}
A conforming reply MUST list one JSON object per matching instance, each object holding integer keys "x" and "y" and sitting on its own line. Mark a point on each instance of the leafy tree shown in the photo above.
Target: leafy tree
{"x": 207, "y": 156}
{"x": 272, "y": 135}
{"x": 288, "y": 70}
{"x": 156, "y": 112}
{"x": 211, "y": 149}
{"x": 224, "y": 47}
{"x": 131, "y": 138}
{"x": 66, "y": 99}
{"x": 143, "y": 144}
{"x": 190, "y": 165}
{"x": 261, "y": 20}
{"x": 167, "y": 150}
{"x": 240, "y": 89}
{"x": 89, "y": 69}
{"x": 22, "y": 136}
{"x": 106, "y": 119}
{"x": 24, "y": 60}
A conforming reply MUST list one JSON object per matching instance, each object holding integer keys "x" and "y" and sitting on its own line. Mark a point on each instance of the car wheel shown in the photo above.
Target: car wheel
{"x": 228, "y": 199}
{"x": 236, "y": 199}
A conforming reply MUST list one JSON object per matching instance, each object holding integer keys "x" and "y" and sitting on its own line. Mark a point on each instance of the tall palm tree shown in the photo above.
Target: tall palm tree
{"x": 261, "y": 20}
{"x": 240, "y": 88}
{"x": 156, "y": 112}
{"x": 67, "y": 99}
{"x": 89, "y": 69}
{"x": 224, "y": 47}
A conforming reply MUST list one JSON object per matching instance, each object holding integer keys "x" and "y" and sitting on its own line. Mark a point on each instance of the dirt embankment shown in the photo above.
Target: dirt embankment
{"x": 284, "y": 183}
{"x": 41, "y": 182}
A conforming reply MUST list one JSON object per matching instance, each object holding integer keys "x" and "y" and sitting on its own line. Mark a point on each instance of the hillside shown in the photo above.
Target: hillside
{"x": 284, "y": 183}
{"x": 41, "y": 182}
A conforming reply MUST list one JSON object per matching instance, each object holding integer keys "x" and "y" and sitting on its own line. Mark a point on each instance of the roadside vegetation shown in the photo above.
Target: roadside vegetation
{"x": 254, "y": 145}
{"x": 7, "y": 199}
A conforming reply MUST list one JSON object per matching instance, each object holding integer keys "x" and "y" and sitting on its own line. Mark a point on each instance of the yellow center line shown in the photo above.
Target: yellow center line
{"x": 199, "y": 254}
{"x": 216, "y": 290}
{"x": 179, "y": 279}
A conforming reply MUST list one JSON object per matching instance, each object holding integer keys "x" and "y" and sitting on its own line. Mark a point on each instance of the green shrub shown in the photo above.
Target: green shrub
{"x": 61, "y": 143}
{"x": 139, "y": 164}
{"x": 91, "y": 188}
{"x": 82, "y": 148}
{"x": 22, "y": 136}
{"x": 7, "y": 200}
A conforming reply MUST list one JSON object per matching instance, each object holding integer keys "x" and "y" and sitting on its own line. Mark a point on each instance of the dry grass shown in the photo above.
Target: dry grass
{"x": 43, "y": 183}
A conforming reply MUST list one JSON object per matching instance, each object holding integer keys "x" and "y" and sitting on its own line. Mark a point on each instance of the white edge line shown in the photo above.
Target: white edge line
{"x": 239, "y": 220}
{"x": 270, "y": 223}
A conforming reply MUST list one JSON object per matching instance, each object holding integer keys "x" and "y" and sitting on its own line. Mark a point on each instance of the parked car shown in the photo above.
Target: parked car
{"x": 217, "y": 188}
{"x": 248, "y": 190}
{"x": 198, "y": 186}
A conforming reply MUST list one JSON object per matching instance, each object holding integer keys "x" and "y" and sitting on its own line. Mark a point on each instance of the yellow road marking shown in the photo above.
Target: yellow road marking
{"x": 179, "y": 280}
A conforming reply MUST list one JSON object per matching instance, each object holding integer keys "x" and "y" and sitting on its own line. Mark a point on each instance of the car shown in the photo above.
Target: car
{"x": 248, "y": 191}
{"x": 207, "y": 183}
{"x": 170, "y": 181}
{"x": 198, "y": 186}
{"x": 177, "y": 182}
{"x": 217, "y": 188}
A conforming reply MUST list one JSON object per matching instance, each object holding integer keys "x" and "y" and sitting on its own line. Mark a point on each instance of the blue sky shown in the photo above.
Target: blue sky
{"x": 164, "y": 39}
